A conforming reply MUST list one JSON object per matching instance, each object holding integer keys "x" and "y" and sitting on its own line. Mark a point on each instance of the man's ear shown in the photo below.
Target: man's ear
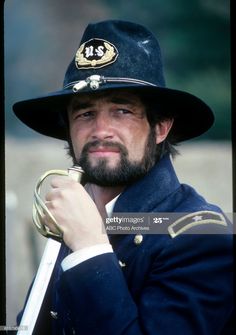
{"x": 162, "y": 130}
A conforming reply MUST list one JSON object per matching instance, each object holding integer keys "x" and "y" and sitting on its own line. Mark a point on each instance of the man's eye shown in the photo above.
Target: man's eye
{"x": 123, "y": 111}
{"x": 84, "y": 115}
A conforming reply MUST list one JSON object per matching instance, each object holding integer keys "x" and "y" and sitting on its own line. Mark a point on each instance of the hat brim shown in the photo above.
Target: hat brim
{"x": 192, "y": 117}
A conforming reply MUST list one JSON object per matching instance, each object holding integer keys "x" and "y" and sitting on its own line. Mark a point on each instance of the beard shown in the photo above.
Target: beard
{"x": 125, "y": 172}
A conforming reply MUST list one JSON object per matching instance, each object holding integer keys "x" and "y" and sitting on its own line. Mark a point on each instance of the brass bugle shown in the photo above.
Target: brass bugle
{"x": 39, "y": 207}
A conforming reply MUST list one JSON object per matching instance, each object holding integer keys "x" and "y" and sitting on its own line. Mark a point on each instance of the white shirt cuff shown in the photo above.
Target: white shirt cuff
{"x": 84, "y": 254}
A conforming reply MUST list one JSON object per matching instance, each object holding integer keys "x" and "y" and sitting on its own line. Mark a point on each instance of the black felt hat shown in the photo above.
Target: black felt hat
{"x": 113, "y": 55}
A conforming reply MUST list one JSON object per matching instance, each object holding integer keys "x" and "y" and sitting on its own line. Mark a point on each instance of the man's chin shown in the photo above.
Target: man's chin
{"x": 107, "y": 163}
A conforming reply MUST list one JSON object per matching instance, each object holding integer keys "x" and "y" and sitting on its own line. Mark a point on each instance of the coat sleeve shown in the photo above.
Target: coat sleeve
{"x": 187, "y": 291}
{"x": 98, "y": 298}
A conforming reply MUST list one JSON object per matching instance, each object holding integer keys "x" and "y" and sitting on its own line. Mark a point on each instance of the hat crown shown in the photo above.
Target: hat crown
{"x": 117, "y": 55}
{"x": 136, "y": 53}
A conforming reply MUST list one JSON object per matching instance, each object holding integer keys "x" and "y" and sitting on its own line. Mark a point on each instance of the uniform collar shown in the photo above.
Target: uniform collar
{"x": 150, "y": 192}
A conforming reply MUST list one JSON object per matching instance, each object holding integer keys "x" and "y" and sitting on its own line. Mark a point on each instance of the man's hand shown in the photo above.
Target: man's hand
{"x": 75, "y": 213}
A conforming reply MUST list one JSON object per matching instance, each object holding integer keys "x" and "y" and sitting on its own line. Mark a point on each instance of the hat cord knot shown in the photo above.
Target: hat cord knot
{"x": 93, "y": 81}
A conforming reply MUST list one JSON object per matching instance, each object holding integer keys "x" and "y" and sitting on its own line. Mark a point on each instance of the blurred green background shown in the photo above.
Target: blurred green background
{"x": 42, "y": 36}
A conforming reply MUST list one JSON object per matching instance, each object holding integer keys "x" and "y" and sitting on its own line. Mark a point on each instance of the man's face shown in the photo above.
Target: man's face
{"x": 111, "y": 137}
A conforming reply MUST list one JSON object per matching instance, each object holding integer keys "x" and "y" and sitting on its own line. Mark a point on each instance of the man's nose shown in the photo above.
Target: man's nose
{"x": 102, "y": 128}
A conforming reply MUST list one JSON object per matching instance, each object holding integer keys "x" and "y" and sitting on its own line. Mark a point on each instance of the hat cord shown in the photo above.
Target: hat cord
{"x": 94, "y": 82}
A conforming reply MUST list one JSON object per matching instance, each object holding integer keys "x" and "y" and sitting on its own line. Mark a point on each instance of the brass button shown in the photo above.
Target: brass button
{"x": 138, "y": 239}
{"x": 54, "y": 315}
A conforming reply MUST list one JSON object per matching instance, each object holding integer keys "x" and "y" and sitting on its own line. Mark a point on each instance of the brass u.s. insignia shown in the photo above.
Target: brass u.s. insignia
{"x": 95, "y": 53}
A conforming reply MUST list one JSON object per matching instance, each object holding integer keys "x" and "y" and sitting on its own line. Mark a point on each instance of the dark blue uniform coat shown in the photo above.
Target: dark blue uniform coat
{"x": 168, "y": 284}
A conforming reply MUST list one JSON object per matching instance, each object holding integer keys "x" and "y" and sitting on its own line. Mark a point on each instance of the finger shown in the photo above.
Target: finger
{"x": 52, "y": 224}
{"x": 61, "y": 181}
{"x": 60, "y": 193}
{"x": 52, "y": 195}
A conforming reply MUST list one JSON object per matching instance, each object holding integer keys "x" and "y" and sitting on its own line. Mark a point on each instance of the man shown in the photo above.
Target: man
{"x": 121, "y": 123}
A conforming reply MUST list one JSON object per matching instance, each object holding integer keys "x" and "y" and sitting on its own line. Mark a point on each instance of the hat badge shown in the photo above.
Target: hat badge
{"x": 95, "y": 53}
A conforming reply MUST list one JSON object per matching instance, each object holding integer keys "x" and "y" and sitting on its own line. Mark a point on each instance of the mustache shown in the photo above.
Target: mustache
{"x": 105, "y": 144}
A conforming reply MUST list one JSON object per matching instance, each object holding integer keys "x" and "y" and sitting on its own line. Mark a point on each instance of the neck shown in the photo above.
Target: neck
{"x": 102, "y": 195}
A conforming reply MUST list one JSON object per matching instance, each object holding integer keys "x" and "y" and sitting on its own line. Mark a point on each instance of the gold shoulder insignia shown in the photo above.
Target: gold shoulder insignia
{"x": 194, "y": 219}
